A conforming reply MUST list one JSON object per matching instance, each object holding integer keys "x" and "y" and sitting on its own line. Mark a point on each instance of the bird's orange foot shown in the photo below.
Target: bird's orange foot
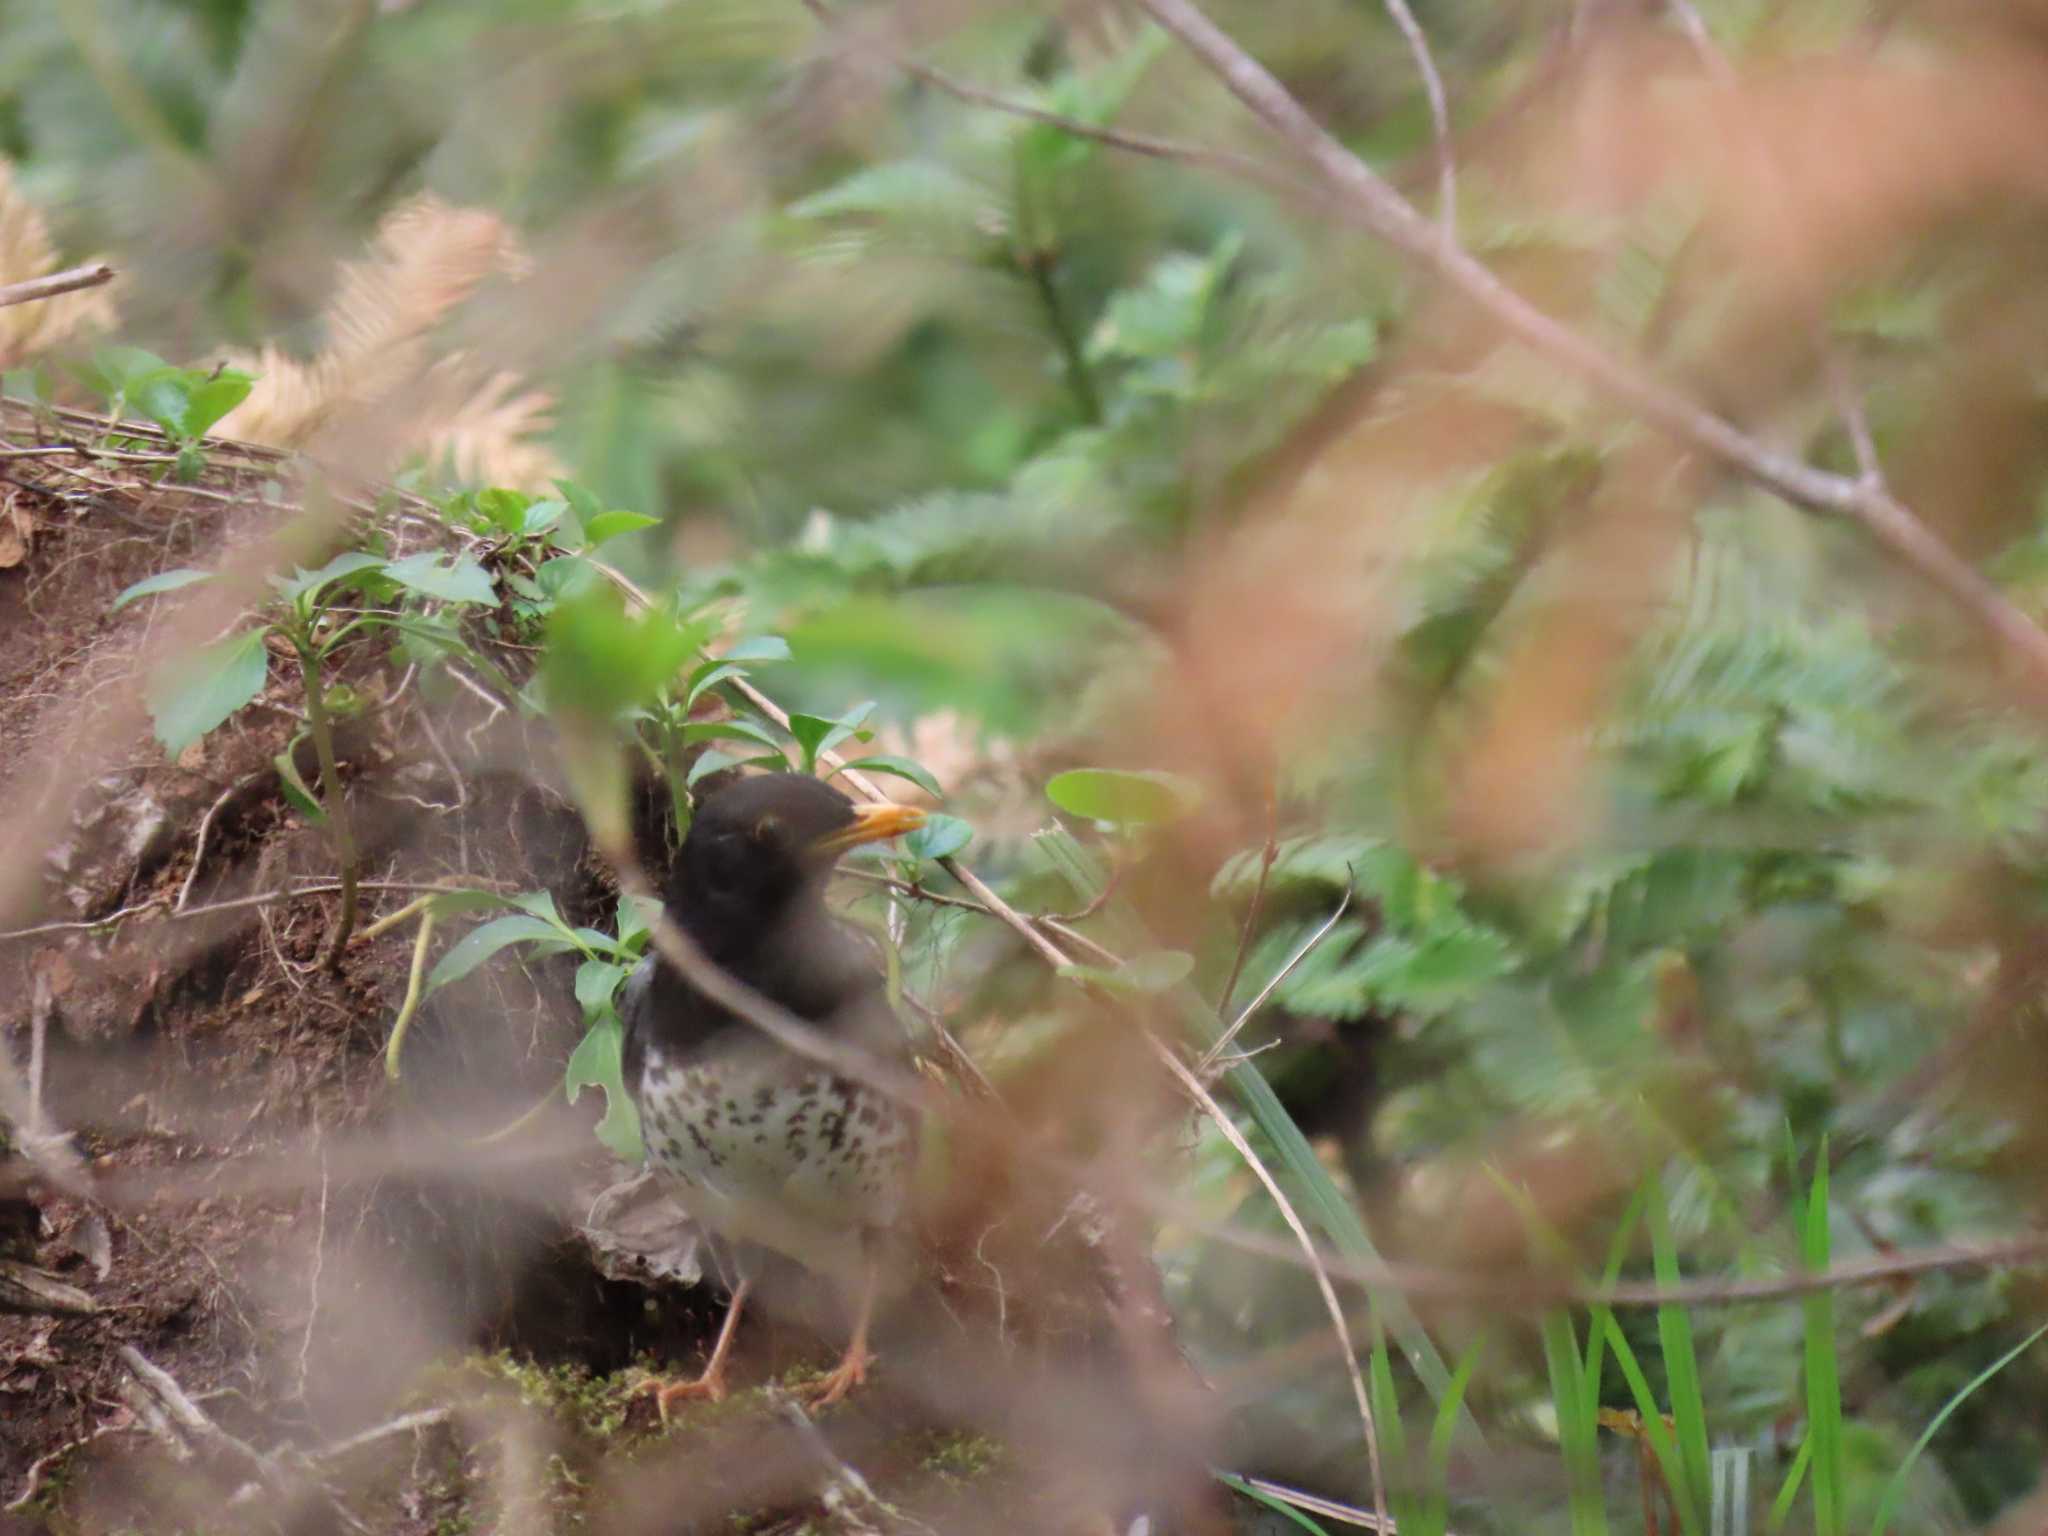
{"x": 708, "y": 1388}
{"x": 851, "y": 1372}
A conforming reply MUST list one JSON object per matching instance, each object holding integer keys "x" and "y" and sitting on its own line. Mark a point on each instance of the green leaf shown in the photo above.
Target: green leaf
{"x": 709, "y": 676}
{"x": 610, "y": 525}
{"x": 162, "y": 581}
{"x": 1156, "y": 971}
{"x": 295, "y": 789}
{"x": 454, "y": 579}
{"x": 111, "y": 369}
{"x": 636, "y": 917}
{"x": 597, "y": 982}
{"x": 567, "y": 576}
{"x": 902, "y": 768}
{"x": 504, "y": 509}
{"x": 817, "y": 735}
{"x": 485, "y": 940}
{"x": 191, "y": 694}
{"x": 709, "y": 761}
{"x": 583, "y": 506}
{"x": 735, "y": 729}
{"x": 347, "y": 563}
{"x": 542, "y": 516}
{"x": 940, "y": 837}
{"x": 1115, "y": 795}
{"x": 212, "y": 398}
{"x": 597, "y": 1062}
{"x": 599, "y": 659}
{"x": 164, "y": 395}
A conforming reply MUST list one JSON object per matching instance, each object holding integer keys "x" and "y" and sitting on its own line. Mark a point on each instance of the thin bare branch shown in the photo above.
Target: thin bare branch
{"x": 1375, "y": 205}
{"x": 236, "y": 904}
{"x": 98, "y": 274}
{"x": 1148, "y": 145}
{"x": 1339, "y": 1324}
{"x": 1257, "y": 906}
{"x": 1439, "y": 116}
{"x": 1210, "y": 1056}
{"x": 1842, "y": 391}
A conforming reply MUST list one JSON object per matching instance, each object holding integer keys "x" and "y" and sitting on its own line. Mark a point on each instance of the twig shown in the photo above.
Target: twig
{"x": 414, "y": 984}
{"x": 68, "y": 281}
{"x": 1439, "y": 116}
{"x": 385, "y": 924}
{"x": 1148, "y": 145}
{"x": 313, "y": 1278}
{"x": 1339, "y": 1324}
{"x": 160, "y": 1390}
{"x": 844, "y": 1486}
{"x": 1842, "y": 392}
{"x": 1058, "y": 926}
{"x": 26, "y": 1289}
{"x": 238, "y": 903}
{"x": 404, "y": 1424}
{"x": 1374, "y": 203}
{"x": 1534, "y": 1291}
{"x": 123, "y": 1420}
{"x": 1209, "y": 1057}
{"x": 199, "y": 843}
{"x": 1251, "y": 916}
{"x": 1316, "y": 1504}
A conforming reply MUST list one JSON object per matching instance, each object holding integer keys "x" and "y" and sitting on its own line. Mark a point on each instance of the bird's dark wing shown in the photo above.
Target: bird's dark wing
{"x": 634, "y": 1002}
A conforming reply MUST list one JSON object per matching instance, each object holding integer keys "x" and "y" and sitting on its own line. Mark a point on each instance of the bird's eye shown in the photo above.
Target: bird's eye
{"x": 767, "y": 829}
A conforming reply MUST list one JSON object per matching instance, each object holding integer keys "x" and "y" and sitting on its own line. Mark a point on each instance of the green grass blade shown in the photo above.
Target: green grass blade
{"x": 1402, "y": 1501}
{"x": 1661, "y": 1441}
{"x": 1308, "y": 1184}
{"x": 1578, "y": 1425}
{"x": 1823, "y": 1381}
{"x": 1238, "y": 1485}
{"x": 1888, "y": 1505}
{"x": 1596, "y": 1333}
{"x": 1781, "y": 1507}
{"x": 1681, "y": 1363}
{"x": 1436, "y": 1514}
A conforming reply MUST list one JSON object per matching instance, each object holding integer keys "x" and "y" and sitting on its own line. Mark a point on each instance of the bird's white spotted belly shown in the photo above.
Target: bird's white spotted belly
{"x": 778, "y": 1153}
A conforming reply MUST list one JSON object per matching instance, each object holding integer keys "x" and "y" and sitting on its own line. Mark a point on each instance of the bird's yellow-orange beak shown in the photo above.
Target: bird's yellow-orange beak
{"x": 872, "y": 822}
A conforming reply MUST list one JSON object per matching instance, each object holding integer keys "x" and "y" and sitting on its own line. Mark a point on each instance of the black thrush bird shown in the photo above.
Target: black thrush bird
{"x": 774, "y": 1150}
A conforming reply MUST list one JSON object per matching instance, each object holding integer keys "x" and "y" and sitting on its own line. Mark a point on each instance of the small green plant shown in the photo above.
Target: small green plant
{"x": 191, "y": 695}
{"x": 184, "y": 402}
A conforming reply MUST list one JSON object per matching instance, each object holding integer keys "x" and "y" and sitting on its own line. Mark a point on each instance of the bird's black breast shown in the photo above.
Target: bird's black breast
{"x": 815, "y": 970}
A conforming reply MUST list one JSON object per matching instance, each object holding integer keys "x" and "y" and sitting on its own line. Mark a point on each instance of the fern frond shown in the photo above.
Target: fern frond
{"x": 490, "y": 438}
{"x": 426, "y": 259}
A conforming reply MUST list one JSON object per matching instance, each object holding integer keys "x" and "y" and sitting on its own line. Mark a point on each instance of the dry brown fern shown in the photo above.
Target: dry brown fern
{"x": 426, "y": 259}
{"x": 26, "y": 251}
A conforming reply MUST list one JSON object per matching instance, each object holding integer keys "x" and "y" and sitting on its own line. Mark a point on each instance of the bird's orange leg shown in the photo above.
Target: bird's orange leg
{"x": 852, "y": 1369}
{"x": 711, "y": 1385}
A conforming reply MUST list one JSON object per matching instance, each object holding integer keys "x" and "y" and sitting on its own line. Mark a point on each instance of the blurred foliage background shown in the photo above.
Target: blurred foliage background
{"x": 1677, "y": 822}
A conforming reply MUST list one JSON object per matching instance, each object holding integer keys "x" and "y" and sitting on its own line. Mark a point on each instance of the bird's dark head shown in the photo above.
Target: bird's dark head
{"x": 755, "y": 846}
